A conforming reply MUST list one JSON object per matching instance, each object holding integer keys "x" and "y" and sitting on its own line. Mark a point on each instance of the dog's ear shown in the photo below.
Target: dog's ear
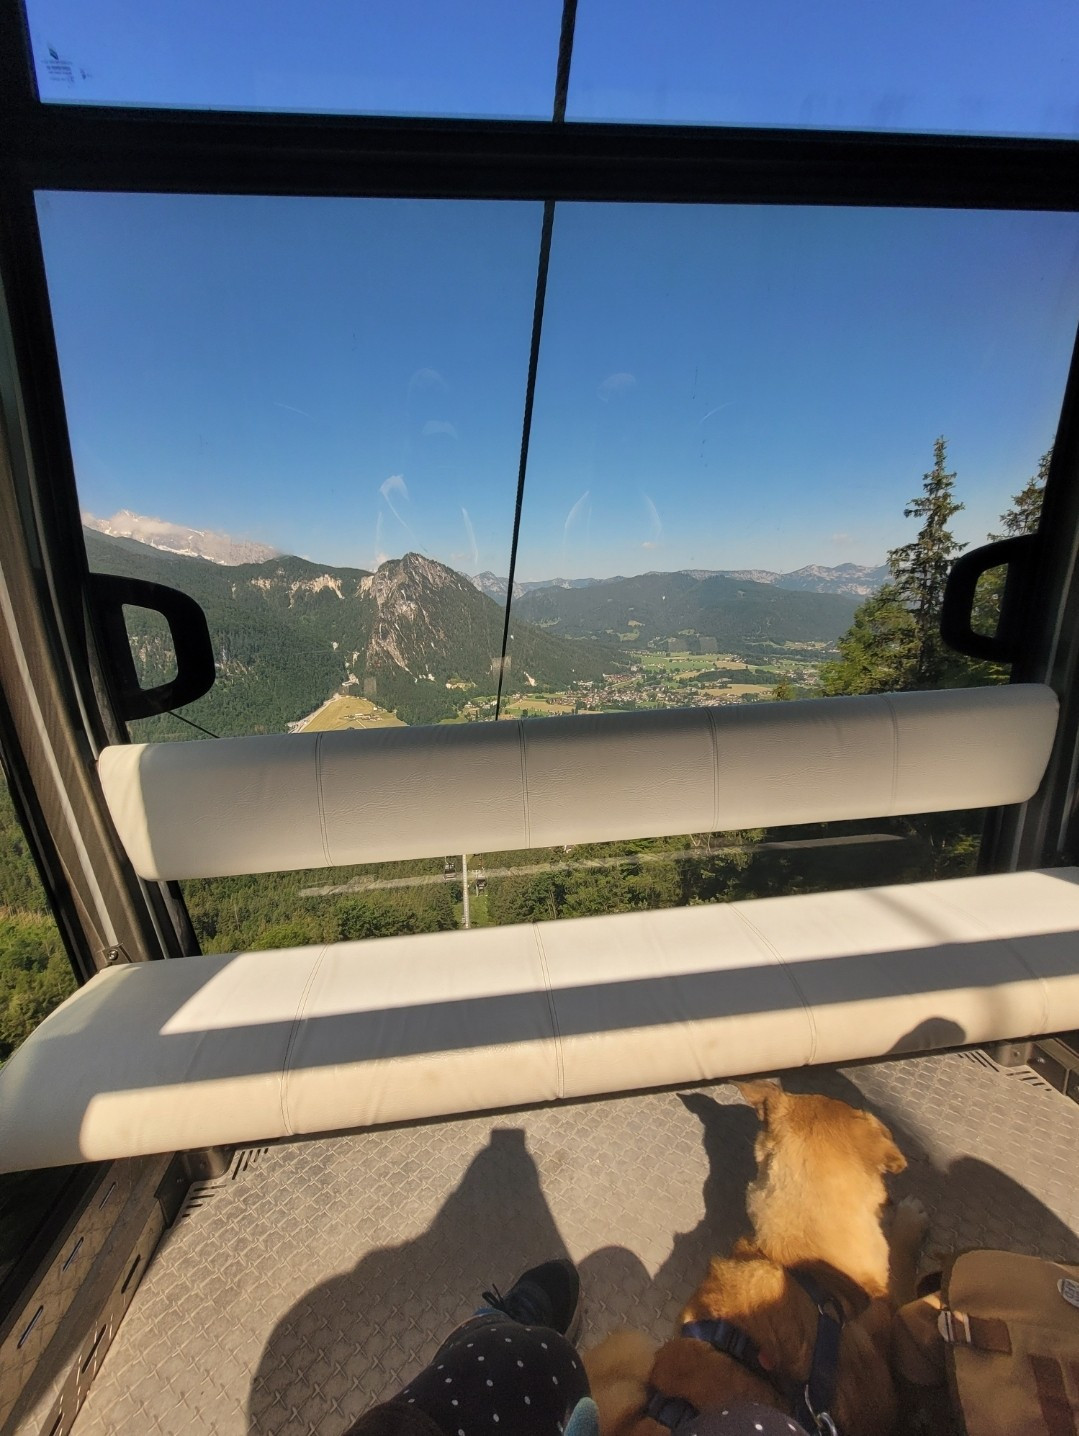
{"x": 766, "y": 1098}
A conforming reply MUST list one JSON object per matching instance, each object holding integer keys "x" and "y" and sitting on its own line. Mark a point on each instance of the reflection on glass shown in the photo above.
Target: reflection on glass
{"x": 35, "y": 977}
{"x": 997, "y": 68}
{"x": 307, "y": 415}
{"x": 423, "y": 57}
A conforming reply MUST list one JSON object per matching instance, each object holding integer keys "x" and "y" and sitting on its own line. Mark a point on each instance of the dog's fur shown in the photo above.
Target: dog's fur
{"x": 819, "y": 1189}
{"x": 815, "y": 1205}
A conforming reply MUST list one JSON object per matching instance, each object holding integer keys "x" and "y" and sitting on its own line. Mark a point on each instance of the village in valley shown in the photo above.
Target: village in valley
{"x": 669, "y": 677}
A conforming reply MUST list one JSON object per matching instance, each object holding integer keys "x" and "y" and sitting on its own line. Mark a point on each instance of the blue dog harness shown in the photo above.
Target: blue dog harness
{"x": 816, "y": 1400}
{"x": 811, "y": 1404}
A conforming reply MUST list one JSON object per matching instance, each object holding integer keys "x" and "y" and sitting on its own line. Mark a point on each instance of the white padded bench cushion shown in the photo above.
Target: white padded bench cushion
{"x": 275, "y": 803}
{"x": 246, "y": 1047}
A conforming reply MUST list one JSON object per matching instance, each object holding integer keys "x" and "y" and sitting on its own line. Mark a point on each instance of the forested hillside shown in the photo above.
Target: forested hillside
{"x": 274, "y": 663}
{"x": 288, "y": 633}
{"x": 735, "y": 612}
{"x": 329, "y": 905}
{"x": 285, "y": 910}
{"x": 35, "y": 973}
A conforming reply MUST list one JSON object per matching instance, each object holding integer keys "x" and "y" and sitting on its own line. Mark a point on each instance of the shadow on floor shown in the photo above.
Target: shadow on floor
{"x": 970, "y": 1201}
{"x": 494, "y": 1222}
{"x": 398, "y": 1303}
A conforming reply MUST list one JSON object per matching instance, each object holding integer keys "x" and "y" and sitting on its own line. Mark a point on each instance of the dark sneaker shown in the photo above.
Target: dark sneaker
{"x": 545, "y": 1295}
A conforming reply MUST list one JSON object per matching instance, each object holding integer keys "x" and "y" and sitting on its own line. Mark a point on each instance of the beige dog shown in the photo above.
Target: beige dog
{"x": 819, "y": 1190}
{"x": 815, "y": 1205}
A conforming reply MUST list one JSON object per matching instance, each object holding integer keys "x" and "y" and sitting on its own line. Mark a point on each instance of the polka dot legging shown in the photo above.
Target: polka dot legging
{"x": 744, "y": 1419}
{"x": 495, "y": 1375}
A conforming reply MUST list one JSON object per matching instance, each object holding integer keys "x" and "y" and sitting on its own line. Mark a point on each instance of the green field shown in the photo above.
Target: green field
{"x": 685, "y": 665}
{"x": 478, "y": 914}
{"x": 738, "y": 690}
{"x": 546, "y": 707}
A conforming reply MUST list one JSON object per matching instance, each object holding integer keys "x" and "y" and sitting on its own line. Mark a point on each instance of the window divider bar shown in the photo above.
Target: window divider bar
{"x": 565, "y": 60}
{"x": 526, "y": 428}
{"x": 98, "y": 148}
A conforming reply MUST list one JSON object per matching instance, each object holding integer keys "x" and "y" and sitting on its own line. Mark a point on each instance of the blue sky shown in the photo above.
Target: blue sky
{"x": 718, "y": 387}
{"x": 986, "y": 66}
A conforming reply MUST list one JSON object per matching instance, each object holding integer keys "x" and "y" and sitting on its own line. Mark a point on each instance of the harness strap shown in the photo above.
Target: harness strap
{"x": 669, "y": 1410}
{"x": 812, "y": 1404}
{"x": 732, "y": 1341}
{"x": 813, "y": 1408}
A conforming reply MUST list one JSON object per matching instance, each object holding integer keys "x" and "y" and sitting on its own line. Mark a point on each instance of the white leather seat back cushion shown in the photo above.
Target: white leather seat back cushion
{"x": 259, "y": 804}
{"x": 247, "y": 1047}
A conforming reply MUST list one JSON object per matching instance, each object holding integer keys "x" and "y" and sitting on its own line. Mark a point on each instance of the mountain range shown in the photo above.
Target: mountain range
{"x": 735, "y": 615}
{"x": 851, "y": 578}
{"x": 223, "y": 549}
{"x": 417, "y": 636}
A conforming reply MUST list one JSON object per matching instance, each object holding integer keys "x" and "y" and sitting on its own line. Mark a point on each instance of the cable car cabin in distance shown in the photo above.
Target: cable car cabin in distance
{"x": 537, "y": 562}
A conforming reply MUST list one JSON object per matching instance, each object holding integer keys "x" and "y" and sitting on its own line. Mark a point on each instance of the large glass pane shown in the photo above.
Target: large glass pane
{"x": 999, "y": 68}
{"x": 274, "y": 403}
{"x": 423, "y": 57}
{"x": 35, "y": 976}
{"x": 756, "y": 430}
{"x": 306, "y": 414}
{"x": 746, "y": 399}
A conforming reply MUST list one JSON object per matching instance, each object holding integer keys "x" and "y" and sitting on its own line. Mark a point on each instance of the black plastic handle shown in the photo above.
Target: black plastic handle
{"x": 957, "y": 609}
{"x": 191, "y": 644}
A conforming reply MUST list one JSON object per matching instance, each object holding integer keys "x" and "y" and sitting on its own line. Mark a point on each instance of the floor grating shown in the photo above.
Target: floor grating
{"x": 314, "y": 1277}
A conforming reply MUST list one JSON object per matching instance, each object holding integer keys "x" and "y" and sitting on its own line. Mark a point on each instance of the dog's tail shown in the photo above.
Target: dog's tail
{"x": 618, "y": 1370}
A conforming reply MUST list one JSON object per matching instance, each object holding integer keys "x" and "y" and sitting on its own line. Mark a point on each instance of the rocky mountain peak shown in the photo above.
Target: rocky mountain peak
{"x": 406, "y": 578}
{"x": 410, "y": 594}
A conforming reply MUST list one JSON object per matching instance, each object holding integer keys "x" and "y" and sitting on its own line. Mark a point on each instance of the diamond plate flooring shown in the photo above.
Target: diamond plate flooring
{"x": 316, "y": 1276}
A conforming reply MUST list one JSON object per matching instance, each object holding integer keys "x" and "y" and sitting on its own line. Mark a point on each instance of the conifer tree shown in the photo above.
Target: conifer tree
{"x": 894, "y": 642}
{"x": 1026, "y": 509}
{"x": 1021, "y": 518}
{"x": 877, "y": 651}
{"x": 920, "y": 568}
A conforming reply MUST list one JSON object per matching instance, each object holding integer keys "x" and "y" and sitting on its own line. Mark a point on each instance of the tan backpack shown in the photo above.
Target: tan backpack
{"x": 1001, "y": 1340}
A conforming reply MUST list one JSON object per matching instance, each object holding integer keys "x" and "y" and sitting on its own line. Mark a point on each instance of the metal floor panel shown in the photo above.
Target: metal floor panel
{"x": 316, "y": 1276}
